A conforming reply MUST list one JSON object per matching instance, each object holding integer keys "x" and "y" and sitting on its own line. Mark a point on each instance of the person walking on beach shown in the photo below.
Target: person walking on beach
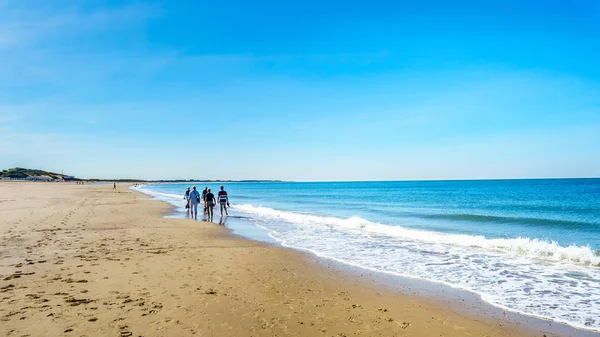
{"x": 187, "y": 198}
{"x": 194, "y": 201}
{"x": 204, "y": 192}
{"x": 223, "y": 201}
{"x": 114, "y": 186}
{"x": 209, "y": 202}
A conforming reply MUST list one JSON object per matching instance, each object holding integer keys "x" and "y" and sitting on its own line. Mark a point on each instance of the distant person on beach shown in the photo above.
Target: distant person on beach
{"x": 114, "y": 186}
{"x": 194, "y": 201}
{"x": 204, "y": 192}
{"x": 209, "y": 202}
{"x": 223, "y": 201}
{"x": 187, "y": 198}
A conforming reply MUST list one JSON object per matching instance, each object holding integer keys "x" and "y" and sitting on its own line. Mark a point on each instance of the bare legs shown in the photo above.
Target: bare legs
{"x": 223, "y": 207}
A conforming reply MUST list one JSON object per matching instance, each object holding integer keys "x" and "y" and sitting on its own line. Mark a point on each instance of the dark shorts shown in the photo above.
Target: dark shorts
{"x": 210, "y": 204}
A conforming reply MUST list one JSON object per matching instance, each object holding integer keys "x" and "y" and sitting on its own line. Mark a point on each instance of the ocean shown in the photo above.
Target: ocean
{"x": 529, "y": 246}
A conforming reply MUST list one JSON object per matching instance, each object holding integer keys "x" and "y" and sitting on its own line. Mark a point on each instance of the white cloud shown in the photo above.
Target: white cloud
{"x": 26, "y": 27}
{"x": 46, "y": 43}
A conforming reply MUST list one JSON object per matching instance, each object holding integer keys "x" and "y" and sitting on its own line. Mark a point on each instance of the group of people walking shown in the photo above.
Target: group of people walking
{"x": 194, "y": 197}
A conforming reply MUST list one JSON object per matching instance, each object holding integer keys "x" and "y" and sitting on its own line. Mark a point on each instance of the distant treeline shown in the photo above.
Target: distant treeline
{"x": 24, "y": 173}
{"x": 180, "y": 181}
{"x": 117, "y": 180}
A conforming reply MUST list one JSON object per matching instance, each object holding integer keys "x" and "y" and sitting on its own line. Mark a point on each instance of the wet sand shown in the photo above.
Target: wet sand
{"x": 91, "y": 261}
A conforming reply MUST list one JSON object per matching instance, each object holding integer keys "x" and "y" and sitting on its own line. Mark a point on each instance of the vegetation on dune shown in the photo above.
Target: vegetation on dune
{"x": 21, "y": 173}
{"x": 24, "y": 173}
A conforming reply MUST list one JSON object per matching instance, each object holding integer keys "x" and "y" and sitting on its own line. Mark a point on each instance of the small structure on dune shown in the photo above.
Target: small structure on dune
{"x": 40, "y": 178}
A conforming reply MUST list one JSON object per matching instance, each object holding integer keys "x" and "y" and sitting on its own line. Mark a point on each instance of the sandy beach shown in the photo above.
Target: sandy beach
{"x": 91, "y": 261}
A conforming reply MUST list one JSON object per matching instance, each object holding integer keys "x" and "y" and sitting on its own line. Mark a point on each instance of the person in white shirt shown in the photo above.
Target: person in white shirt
{"x": 194, "y": 201}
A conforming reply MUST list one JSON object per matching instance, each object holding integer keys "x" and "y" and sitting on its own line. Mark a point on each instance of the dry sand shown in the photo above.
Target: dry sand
{"x": 90, "y": 261}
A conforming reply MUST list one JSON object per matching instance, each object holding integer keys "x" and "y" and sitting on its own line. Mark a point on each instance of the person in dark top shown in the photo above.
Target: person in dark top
{"x": 204, "y": 198}
{"x": 209, "y": 202}
{"x": 187, "y": 198}
{"x": 223, "y": 201}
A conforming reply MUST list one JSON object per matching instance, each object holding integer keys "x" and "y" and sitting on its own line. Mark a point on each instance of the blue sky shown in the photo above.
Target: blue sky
{"x": 312, "y": 90}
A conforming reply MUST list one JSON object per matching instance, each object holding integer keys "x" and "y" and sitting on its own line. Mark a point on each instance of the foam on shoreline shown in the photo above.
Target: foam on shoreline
{"x": 517, "y": 274}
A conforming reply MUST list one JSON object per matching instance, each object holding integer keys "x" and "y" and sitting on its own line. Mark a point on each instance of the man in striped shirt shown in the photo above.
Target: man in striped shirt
{"x": 223, "y": 201}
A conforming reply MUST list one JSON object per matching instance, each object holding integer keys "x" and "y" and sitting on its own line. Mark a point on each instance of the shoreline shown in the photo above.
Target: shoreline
{"x": 90, "y": 261}
{"x": 439, "y": 292}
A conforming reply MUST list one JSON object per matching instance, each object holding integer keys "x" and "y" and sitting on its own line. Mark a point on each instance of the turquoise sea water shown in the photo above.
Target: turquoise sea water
{"x": 530, "y": 246}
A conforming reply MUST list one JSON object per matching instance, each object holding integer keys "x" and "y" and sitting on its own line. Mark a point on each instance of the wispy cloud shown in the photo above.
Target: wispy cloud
{"x": 29, "y": 26}
{"x": 18, "y": 143}
{"x": 48, "y": 43}
{"x": 64, "y": 47}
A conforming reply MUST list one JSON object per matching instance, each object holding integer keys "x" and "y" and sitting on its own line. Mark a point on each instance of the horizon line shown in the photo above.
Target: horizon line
{"x": 346, "y": 181}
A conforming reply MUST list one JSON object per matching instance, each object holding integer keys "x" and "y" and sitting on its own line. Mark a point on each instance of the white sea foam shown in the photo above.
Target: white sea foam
{"x": 533, "y": 277}
{"x": 174, "y": 199}
{"x": 533, "y": 248}
{"x": 530, "y": 276}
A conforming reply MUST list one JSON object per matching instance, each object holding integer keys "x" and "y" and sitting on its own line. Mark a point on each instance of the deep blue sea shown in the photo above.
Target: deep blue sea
{"x": 530, "y": 246}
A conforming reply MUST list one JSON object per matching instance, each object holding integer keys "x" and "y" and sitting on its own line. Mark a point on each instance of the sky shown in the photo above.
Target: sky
{"x": 311, "y": 90}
